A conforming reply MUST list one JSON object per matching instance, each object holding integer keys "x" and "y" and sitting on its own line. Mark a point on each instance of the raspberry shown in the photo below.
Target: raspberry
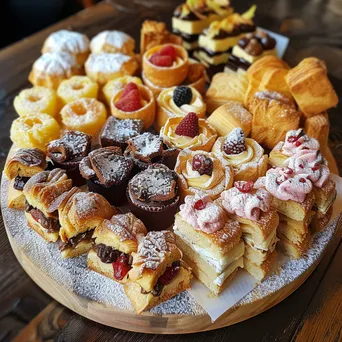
{"x": 202, "y": 164}
{"x": 243, "y": 186}
{"x": 235, "y": 142}
{"x": 121, "y": 267}
{"x": 298, "y": 143}
{"x": 168, "y": 50}
{"x": 162, "y": 61}
{"x": 169, "y": 274}
{"x": 315, "y": 168}
{"x": 130, "y": 102}
{"x": 287, "y": 170}
{"x": 188, "y": 126}
{"x": 130, "y": 86}
{"x": 182, "y": 95}
{"x": 199, "y": 205}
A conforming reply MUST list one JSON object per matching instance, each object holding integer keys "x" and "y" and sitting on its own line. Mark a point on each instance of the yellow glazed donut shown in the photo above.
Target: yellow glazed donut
{"x": 36, "y": 100}
{"x": 85, "y": 115}
{"x": 35, "y": 130}
{"x": 75, "y": 88}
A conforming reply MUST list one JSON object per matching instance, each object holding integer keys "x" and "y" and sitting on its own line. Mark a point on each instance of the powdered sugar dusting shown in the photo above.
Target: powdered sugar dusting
{"x": 106, "y": 62}
{"x": 114, "y": 38}
{"x": 55, "y": 63}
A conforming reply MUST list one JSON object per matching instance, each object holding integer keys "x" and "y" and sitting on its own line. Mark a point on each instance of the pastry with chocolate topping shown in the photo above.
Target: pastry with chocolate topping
{"x": 79, "y": 214}
{"x": 153, "y": 196}
{"x": 67, "y": 152}
{"x": 147, "y": 148}
{"x": 107, "y": 172}
{"x": 117, "y": 132}
{"x": 114, "y": 242}
{"x": 24, "y": 163}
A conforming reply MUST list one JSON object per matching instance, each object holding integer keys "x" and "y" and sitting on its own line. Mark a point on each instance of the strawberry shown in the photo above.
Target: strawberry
{"x": 243, "y": 186}
{"x": 168, "y": 50}
{"x": 188, "y": 126}
{"x": 121, "y": 267}
{"x": 129, "y": 86}
{"x": 130, "y": 102}
{"x": 161, "y": 61}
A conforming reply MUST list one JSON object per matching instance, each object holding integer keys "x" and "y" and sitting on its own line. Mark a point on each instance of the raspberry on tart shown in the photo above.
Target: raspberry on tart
{"x": 235, "y": 142}
{"x": 202, "y": 164}
{"x": 188, "y": 126}
{"x": 164, "y": 57}
{"x": 130, "y": 99}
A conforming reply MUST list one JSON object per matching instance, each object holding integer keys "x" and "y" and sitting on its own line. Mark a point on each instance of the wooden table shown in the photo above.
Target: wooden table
{"x": 312, "y": 313}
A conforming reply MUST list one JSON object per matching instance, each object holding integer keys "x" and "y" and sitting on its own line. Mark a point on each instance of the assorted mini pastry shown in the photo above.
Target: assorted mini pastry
{"x": 79, "y": 214}
{"x": 258, "y": 222}
{"x": 203, "y": 172}
{"x": 107, "y": 172}
{"x": 134, "y": 101}
{"x": 67, "y": 152}
{"x": 43, "y": 195}
{"x": 211, "y": 243}
{"x": 191, "y": 18}
{"x": 115, "y": 240}
{"x": 158, "y": 272}
{"x": 19, "y": 168}
{"x": 189, "y": 132}
{"x": 178, "y": 102}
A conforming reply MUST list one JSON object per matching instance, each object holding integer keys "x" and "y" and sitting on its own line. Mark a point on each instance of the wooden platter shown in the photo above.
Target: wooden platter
{"x": 152, "y": 322}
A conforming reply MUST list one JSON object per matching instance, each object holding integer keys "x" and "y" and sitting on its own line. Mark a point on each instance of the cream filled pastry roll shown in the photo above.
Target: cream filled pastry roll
{"x": 178, "y": 102}
{"x": 211, "y": 242}
{"x": 189, "y": 132}
{"x": 258, "y": 221}
{"x": 203, "y": 172}
{"x": 244, "y": 155}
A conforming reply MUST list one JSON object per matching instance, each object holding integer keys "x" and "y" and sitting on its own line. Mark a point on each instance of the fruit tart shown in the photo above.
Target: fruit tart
{"x": 178, "y": 102}
{"x": 244, "y": 155}
{"x": 134, "y": 101}
{"x": 203, "y": 172}
{"x": 107, "y": 172}
{"x": 211, "y": 243}
{"x": 115, "y": 240}
{"x": 166, "y": 65}
{"x": 67, "y": 152}
{"x": 189, "y": 132}
{"x": 153, "y": 196}
{"x": 158, "y": 272}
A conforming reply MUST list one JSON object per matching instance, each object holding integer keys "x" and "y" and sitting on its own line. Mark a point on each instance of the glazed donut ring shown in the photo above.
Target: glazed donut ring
{"x": 85, "y": 115}
{"x": 35, "y": 130}
{"x": 36, "y": 100}
{"x": 75, "y": 88}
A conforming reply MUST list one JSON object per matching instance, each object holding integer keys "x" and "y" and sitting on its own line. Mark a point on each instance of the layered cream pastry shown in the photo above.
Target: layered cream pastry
{"x": 192, "y": 17}
{"x": 203, "y": 172}
{"x": 189, "y": 132}
{"x": 244, "y": 155}
{"x": 258, "y": 221}
{"x": 216, "y": 42}
{"x": 211, "y": 243}
{"x": 293, "y": 197}
{"x": 178, "y": 102}
{"x": 249, "y": 49}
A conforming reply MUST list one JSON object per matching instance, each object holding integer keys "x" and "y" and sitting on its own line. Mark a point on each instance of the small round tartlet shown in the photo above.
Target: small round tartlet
{"x": 75, "y": 88}
{"x": 85, "y": 115}
{"x": 203, "y": 141}
{"x": 166, "y": 76}
{"x": 244, "y": 155}
{"x": 146, "y": 112}
{"x": 211, "y": 176}
{"x": 36, "y": 100}
{"x": 35, "y": 130}
{"x": 167, "y": 108}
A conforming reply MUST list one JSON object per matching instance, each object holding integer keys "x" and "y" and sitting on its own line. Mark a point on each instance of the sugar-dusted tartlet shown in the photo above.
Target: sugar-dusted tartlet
{"x": 166, "y": 65}
{"x": 51, "y": 68}
{"x": 73, "y": 43}
{"x": 36, "y": 100}
{"x": 103, "y": 67}
{"x": 244, "y": 155}
{"x": 178, "y": 102}
{"x": 35, "y": 130}
{"x": 189, "y": 132}
{"x": 203, "y": 172}
{"x": 134, "y": 101}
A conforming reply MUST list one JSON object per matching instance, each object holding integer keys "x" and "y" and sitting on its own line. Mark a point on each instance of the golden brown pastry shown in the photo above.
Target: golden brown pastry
{"x": 79, "y": 214}
{"x": 310, "y": 86}
{"x": 226, "y": 87}
{"x": 273, "y": 115}
{"x": 229, "y": 116}
{"x": 318, "y": 127}
{"x": 196, "y": 76}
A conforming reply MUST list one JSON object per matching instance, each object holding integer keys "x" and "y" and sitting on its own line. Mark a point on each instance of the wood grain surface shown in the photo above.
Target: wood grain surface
{"x": 312, "y": 313}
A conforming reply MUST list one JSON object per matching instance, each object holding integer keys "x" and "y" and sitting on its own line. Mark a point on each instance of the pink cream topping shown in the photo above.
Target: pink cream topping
{"x": 285, "y": 184}
{"x": 242, "y": 200}
{"x": 203, "y": 214}
{"x": 297, "y": 143}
